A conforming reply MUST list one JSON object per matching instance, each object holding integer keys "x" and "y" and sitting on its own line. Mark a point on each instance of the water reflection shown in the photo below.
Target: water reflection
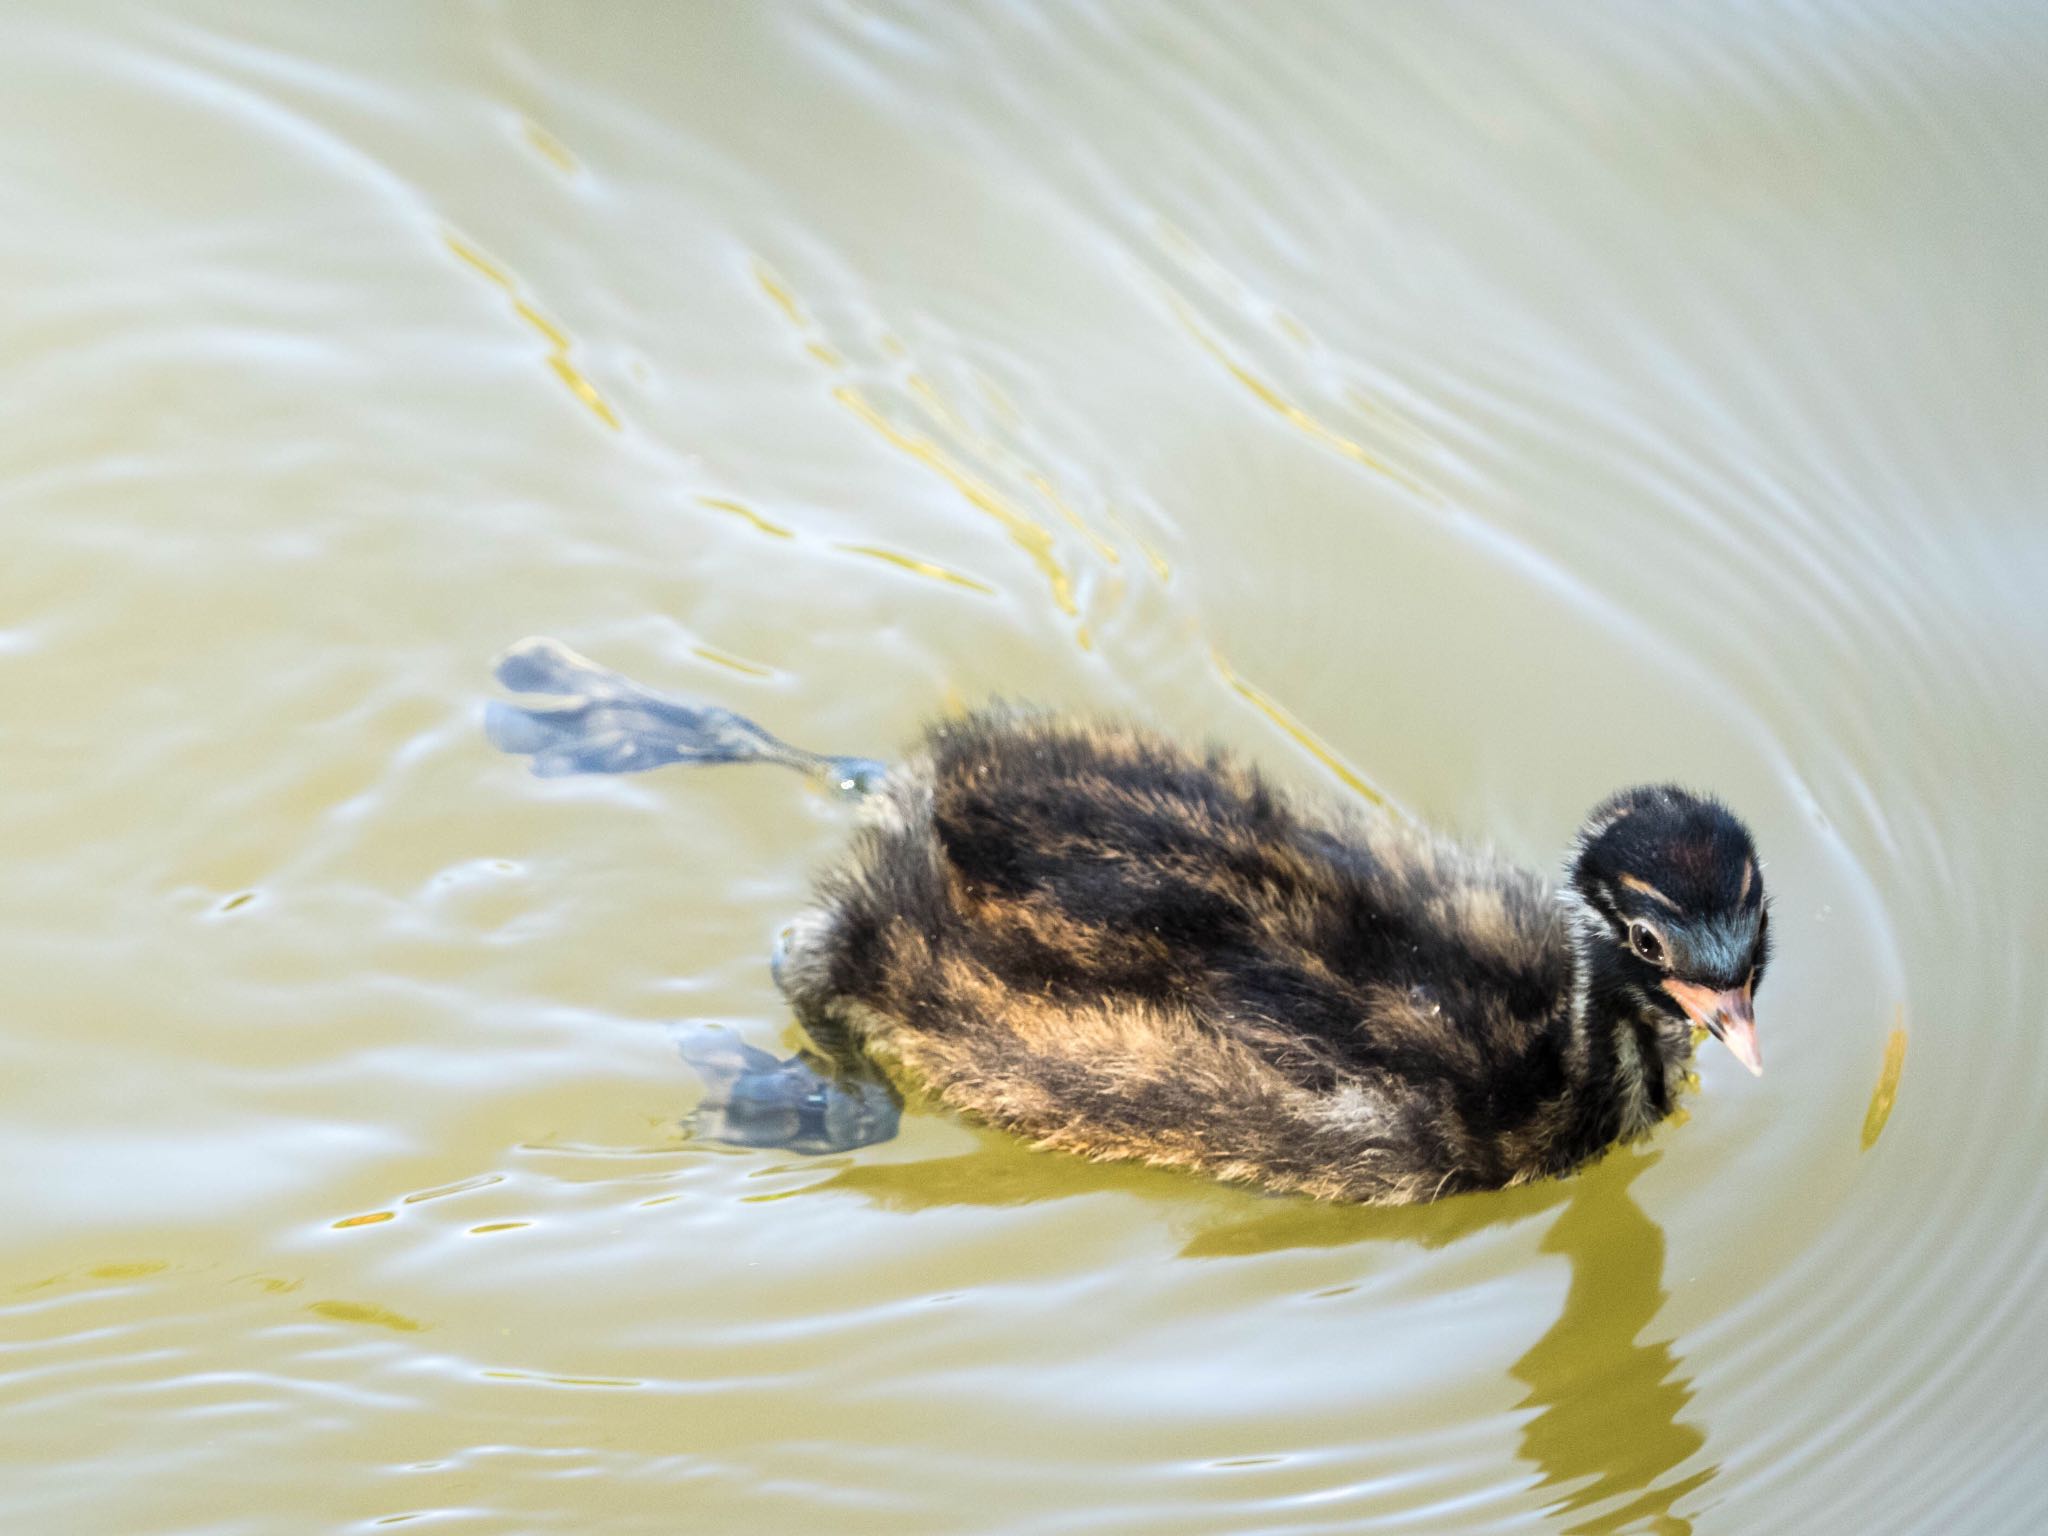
{"x": 1002, "y": 1171}
{"x": 1607, "y": 1421}
{"x": 1287, "y": 1222}
{"x": 1606, "y": 1402}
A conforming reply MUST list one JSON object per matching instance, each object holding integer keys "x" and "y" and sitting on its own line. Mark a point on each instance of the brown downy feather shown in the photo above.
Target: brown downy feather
{"x": 1086, "y": 935}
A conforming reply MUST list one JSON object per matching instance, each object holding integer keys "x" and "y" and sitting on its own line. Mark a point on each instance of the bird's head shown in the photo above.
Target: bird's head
{"x": 1674, "y": 910}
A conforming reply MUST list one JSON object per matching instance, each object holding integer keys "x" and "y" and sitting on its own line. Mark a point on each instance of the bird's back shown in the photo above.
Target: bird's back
{"x": 1091, "y": 936}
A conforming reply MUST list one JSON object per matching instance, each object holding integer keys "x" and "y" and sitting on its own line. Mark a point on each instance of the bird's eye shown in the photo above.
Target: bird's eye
{"x": 1643, "y": 939}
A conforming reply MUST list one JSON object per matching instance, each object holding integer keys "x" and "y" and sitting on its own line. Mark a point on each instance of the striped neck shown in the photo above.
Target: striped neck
{"x": 1627, "y": 1058}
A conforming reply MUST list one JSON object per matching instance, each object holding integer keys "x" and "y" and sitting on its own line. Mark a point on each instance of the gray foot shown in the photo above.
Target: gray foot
{"x": 583, "y": 718}
{"x": 753, "y": 1100}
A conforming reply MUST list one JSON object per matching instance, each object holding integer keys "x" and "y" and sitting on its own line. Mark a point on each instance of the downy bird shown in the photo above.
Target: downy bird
{"x": 1093, "y": 937}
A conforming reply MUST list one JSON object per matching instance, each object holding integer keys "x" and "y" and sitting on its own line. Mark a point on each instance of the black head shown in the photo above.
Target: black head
{"x": 1673, "y": 879}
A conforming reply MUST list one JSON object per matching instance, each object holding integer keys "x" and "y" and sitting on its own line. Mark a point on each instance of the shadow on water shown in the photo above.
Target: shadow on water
{"x": 1604, "y": 1401}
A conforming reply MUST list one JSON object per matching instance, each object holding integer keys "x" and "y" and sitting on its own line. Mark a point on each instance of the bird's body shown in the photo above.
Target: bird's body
{"x": 1087, "y": 935}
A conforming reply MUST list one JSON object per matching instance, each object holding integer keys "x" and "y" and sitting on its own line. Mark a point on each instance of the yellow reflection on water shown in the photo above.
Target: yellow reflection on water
{"x": 1043, "y": 484}
{"x": 458, "y": 1187}
{"x": 1161, "y": 571}
{"x": 140, "y": 1269}
{"x": 549, "y": 147}
{"x": 741, "y": 510}
{"x": 780, "y": 295}
{"x": 1028, "y": 534}
{"x": 1271, "y": 398}
{"x": 731, "y": 663}
{"x": 1321, "y": 751}
{"x": 557, "y": 339}
{"x": 1887, "y": 1090}
{"x": 922, "y": 567}
{"x": 1024, "y": 531}
{"x": 541, "y": 1378}
{"x": 366, "y": 1313}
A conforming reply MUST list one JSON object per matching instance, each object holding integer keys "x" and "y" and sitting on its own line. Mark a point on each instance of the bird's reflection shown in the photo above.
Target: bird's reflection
{"x": 1606, "y": 1434}
{"x": 1604, "y": 1430}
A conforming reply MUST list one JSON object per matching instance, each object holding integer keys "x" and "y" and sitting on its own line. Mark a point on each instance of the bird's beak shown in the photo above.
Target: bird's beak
{"x": 1727, "y": 1016}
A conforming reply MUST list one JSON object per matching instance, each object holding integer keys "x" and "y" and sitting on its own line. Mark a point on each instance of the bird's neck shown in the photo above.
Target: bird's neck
{"x": 1628, "y": 1057}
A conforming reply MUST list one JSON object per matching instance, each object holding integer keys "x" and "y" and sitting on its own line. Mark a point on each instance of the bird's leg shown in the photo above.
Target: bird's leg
{"x": 596, "y": 721}
{"x": 600, "y": 722}
{"x": 800, "y": 1105}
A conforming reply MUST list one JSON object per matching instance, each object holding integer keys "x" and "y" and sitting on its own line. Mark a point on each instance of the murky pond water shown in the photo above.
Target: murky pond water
{"x": 1478, "y": 407}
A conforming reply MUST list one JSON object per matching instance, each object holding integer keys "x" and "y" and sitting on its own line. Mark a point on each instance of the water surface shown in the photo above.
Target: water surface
{"x": 1472, "y": 408}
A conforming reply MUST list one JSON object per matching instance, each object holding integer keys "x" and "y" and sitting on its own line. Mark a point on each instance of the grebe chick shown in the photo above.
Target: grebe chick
{"x": 1089, "y": 936}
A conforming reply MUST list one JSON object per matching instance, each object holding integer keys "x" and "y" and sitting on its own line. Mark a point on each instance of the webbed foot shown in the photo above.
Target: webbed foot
{"x": 751, "y": 1099}
{"x": 598, "y": 721}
